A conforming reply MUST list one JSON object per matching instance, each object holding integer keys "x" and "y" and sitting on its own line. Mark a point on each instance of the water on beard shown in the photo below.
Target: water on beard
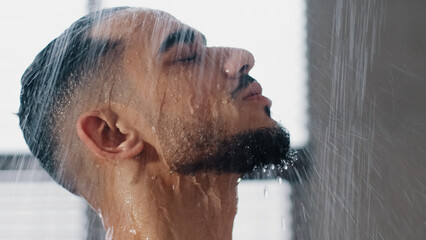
{"x": 265, "y": 150}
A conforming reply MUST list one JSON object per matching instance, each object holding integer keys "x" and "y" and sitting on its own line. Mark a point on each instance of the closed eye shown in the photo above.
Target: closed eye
{"x": 188, "y": 59}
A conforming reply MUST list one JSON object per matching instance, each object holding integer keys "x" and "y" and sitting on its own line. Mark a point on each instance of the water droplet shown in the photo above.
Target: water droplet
{"x": 266, "y": 192}
{"x": 132, "y": 231}
{"x": 285, "y": 167}
{"x": 239, "y": 180}
{"x": 280, "y": 180}
{"x": 173, "y": 187}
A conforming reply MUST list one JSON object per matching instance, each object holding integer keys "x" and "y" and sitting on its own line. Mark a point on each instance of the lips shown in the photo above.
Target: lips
{"x": 254, "y": 93}
{"x": 252, "y": 90}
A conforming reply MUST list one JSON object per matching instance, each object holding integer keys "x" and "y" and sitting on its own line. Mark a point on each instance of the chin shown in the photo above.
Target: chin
{"x": 239, "y": 153}
{"x": 250, "y": 124}
{"x": 269, "y": 123}
{"x": 259, "y": 120}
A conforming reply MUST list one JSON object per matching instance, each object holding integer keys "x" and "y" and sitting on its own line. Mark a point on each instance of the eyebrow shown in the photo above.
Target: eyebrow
{"x": 185, "y": 36}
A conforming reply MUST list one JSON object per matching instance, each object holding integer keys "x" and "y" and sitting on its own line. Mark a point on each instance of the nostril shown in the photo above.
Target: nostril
{"x": 244, "y": 68}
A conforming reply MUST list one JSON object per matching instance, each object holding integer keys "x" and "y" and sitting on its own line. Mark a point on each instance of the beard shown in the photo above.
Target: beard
{"x": 209, "y": 150}
{"x": 243, "y": 153}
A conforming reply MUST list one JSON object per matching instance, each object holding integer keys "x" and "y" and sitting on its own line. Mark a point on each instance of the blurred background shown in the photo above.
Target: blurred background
{"x": 346, "y": 77}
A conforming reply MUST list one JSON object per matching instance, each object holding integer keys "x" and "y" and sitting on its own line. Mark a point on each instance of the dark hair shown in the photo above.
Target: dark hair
{"x": 48, "y": 83}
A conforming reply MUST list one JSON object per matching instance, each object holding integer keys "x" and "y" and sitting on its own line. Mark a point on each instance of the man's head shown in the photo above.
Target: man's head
{"x": 127, "y": 83}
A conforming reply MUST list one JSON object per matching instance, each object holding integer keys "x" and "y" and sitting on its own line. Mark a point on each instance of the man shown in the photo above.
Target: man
{"x": 130, "y": 109}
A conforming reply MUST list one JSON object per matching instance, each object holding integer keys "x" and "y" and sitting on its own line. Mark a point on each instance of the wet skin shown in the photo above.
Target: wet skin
{"x": 188, "y": 80}
{"x": 174, "y": 96}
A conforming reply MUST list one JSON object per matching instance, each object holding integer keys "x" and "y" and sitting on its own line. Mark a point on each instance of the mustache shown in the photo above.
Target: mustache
{"x": 243, "y": 82}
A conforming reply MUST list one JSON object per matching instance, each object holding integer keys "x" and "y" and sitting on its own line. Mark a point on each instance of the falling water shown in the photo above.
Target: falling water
{"x": 365, "y": 178}
{"x": 367, "y": 84}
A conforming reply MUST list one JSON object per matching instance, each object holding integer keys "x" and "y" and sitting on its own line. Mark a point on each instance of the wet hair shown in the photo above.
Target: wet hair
{"x": 52, "y": 78}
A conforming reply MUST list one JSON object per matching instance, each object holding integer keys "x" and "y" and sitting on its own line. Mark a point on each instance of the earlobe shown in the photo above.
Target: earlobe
{"x": 98, "y": 131}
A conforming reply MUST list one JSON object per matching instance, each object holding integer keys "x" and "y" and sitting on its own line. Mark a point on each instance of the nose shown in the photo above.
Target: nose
{"x": 238, "y": 62}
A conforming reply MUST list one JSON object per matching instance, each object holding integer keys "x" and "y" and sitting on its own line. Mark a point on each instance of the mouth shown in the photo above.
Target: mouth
{"x": 254, "y": 93}
{"x": 254, "y": 89}
{"x": 243, "y": 83}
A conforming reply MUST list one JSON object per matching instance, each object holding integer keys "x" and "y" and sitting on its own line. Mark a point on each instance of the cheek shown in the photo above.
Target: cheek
{"x": 197, "y": 90}
{"x": 186, "y": 93}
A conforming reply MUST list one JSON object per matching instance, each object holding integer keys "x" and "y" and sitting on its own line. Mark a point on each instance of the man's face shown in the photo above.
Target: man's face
{"x": 188, "y": 98}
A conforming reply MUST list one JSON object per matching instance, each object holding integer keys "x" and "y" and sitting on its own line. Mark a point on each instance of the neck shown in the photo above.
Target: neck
{"x": 166, "y": 205}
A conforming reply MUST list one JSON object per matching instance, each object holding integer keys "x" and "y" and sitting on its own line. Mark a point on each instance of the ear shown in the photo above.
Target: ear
{"x": 99, "y": 132}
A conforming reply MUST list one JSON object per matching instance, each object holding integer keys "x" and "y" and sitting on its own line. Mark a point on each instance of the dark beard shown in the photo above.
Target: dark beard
{"x": 243, "y": 153}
